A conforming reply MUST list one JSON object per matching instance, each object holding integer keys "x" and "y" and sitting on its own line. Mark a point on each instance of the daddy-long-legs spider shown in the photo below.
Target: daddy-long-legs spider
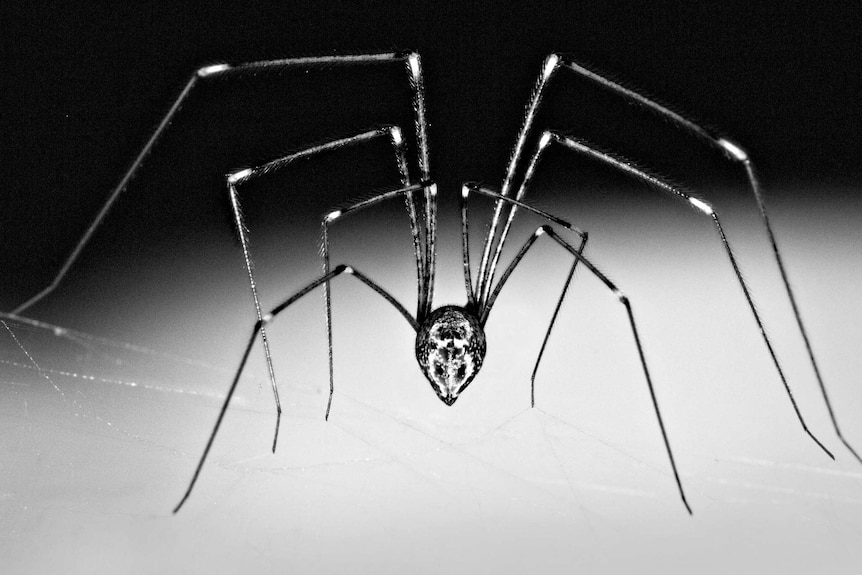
{"x": 450, "y": 342}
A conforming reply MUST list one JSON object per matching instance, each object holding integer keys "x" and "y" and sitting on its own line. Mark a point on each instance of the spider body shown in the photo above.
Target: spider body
{"x": 450, "y": 348}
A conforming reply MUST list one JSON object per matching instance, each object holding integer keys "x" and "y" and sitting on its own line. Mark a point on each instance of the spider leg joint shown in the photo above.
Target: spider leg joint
{"x": 701, "y": 205}
{"x": 621, "y": 296}
{"x": 210, "y": 70}
{"x": 415, "y": 67}
{"x": 550, "y": 64}
{"x": 239, "y": 176}
{"x": 733, "y": 149}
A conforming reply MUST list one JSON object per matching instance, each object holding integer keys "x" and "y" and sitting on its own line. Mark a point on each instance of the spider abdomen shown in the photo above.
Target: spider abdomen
{"x": 450, "y": 347}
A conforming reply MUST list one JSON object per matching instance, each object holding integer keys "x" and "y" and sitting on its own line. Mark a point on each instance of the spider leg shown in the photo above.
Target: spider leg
{"x": 486, "y": 308}
{"x": 735, "y": 153}
{"x": 625, "y": 301}
{"x": 417, "y": 80}
{"x": 465, "y": 253}
{"x": 548, "y": 230}
{"x": 522, "y": 190}
{"x": 504, "y": 278}
{"x": 244, "y": 175}
{"x": 492, "y": 270}
{"x": 730, "y": 150}
{"x": 627, "y": 167}
{"x": 408, "y": 191}
{"x": 469, "y": 187}
{"x": 112, "y": 197}
{"x": 484, "y": 281}
{"x": 258, "y": 328}
{"x": 414, "y": 69}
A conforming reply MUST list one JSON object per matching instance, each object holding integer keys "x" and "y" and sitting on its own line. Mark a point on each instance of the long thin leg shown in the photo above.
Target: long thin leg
{"x": 730, "y": 150}
{"x": 486, "y": 308}
{"x": 484, "y": 282}
{"x": 465, "y": 254}
{"x": 522, "y": 190}
{"x": 419, "y": 240}
{"x": 625, "y": 301}
{"x": 628, "y": 168}
{"x": 471, "y": 187}
{"x": 492, "y": 297}
{"x": 416, "y": 82}
{"x": 553, "y": 322}
{"x": 246, "y": 253}
{"x": 755, "y": 186}
{"x": 414, "y": 66}
{"x": 419, "y": 233}
{"x": 397, "y": 141}
{"x": 576, "y": 252}
{"x": 736, "y": 153}
{"x": 245, "y": 175}
{"x": 258, "y": 327}
{"x": 407, "y": 192}
{"x": 505, "y": 277}
{"x": 112, "y": 197}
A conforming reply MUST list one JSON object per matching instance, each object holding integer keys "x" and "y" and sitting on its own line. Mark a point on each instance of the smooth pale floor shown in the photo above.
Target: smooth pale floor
{"x": 98, "y": 445}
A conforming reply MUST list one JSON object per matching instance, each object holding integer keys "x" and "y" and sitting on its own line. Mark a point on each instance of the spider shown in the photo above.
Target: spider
{"x": 450, "y": 341}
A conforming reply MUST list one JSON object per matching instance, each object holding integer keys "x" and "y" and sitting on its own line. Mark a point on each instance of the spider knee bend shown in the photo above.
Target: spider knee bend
{"x": 733, "y": 149}
{"x": 415, "y": 66}
{"x": 701, "y": 205}
{"x": 550, "y": 65}
{"x": 239, "y": 176}
{"x": 546, "y": 139}
{"x": 210, "y": 70}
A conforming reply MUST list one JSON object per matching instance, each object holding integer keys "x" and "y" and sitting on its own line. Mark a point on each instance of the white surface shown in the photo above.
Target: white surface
{"x": 397, "y": 482}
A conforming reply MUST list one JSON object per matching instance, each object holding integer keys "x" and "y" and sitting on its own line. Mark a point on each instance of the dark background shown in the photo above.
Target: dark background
{"x": 86, "y": 84}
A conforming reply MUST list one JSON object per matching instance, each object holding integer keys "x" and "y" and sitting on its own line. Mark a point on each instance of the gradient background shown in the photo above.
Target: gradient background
{"x": 94, "y": 456}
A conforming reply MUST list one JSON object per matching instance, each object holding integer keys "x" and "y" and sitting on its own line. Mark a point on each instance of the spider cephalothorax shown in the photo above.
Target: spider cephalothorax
{"x": 450, "y": 347}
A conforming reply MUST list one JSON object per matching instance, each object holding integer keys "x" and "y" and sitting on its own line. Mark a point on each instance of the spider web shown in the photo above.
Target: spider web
{"x": 101, "y": 435}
